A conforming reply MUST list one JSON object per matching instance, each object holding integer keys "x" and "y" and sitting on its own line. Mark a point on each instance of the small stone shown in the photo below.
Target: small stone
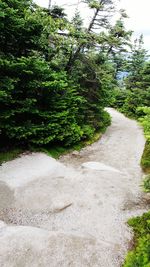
{"x": 75, "y": 153}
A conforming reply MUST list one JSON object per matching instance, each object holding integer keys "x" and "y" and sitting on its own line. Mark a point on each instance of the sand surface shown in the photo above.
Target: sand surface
{"x": 73, "y": 212}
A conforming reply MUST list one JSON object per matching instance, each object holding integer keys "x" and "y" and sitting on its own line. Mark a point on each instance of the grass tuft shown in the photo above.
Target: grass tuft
{"x": 10, "y": 155}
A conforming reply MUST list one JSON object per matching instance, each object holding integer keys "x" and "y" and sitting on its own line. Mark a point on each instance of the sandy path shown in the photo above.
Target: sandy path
{"x": 73, "y": 212}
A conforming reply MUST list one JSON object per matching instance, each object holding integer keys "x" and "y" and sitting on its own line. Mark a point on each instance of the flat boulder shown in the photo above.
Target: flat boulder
{"x": 27, "y": 168}
{"x": 25, "y": 246}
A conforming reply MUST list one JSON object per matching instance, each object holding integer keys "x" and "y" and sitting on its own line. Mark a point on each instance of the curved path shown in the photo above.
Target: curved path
{"x": 73, "y": 212}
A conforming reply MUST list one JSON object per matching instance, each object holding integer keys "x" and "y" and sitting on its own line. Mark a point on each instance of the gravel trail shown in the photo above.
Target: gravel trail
{"x": 73, "y": 212}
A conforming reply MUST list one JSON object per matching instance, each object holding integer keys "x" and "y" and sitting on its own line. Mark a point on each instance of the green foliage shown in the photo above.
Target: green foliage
{"x": 140, "y": 225}
{"x": 88, "y": 131}
{"x": 57, "y": 12}
{"x": 146, "y": 184}
{"x": 140, "y": 255}
{"x": 128, "y": 102}
{"x": 145, "y": 121}
{"x": 54, "y": 82}
{"x": 136, "y": 91}
{"x": 145, "y": 161}
{"x": 94, "y": 4}
{"x": 54, "y": 151}
{"x": 120, "y": 96}
{"x": 39, "y": 104}
{"x": 29, "y": 114}
{"x": 134, "y": 101}
{"x": 95, "y": 76}
{"x": 118, "y": 40}
{"x": 9, "y": 155}
{"x": 136, "y": 64}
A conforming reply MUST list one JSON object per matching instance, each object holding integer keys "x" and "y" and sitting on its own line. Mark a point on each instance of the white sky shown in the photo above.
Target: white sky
{"x": 137, "y": 10}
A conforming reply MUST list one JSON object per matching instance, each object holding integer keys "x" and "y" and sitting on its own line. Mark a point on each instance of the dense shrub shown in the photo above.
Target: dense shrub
{"x": 128, "y": 101}
{"x": 120, "y": 96}
{"x": 39, "y": 105}
{"x": 140, "y": 255}
{"x": 145, "y": 161}
{"x": 144, "y": 119}
{"x": 40, "y": 102}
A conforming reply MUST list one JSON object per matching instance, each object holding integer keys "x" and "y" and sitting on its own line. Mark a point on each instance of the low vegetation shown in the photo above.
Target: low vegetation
{"x": 145, "y": 122}
{"x": 146, "y": 184}
{"x": 145, "y": 161}
{"x": 9, "y": 154}
{"x": 140, "y": 255}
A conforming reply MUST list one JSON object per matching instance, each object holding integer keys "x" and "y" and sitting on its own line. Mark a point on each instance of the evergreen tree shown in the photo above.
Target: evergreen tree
{"x": 136, "y": 65}
{"x": 55, "y": 76}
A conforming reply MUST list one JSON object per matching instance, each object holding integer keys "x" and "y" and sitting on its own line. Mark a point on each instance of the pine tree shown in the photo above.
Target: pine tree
{"x": 136, "y": 65}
